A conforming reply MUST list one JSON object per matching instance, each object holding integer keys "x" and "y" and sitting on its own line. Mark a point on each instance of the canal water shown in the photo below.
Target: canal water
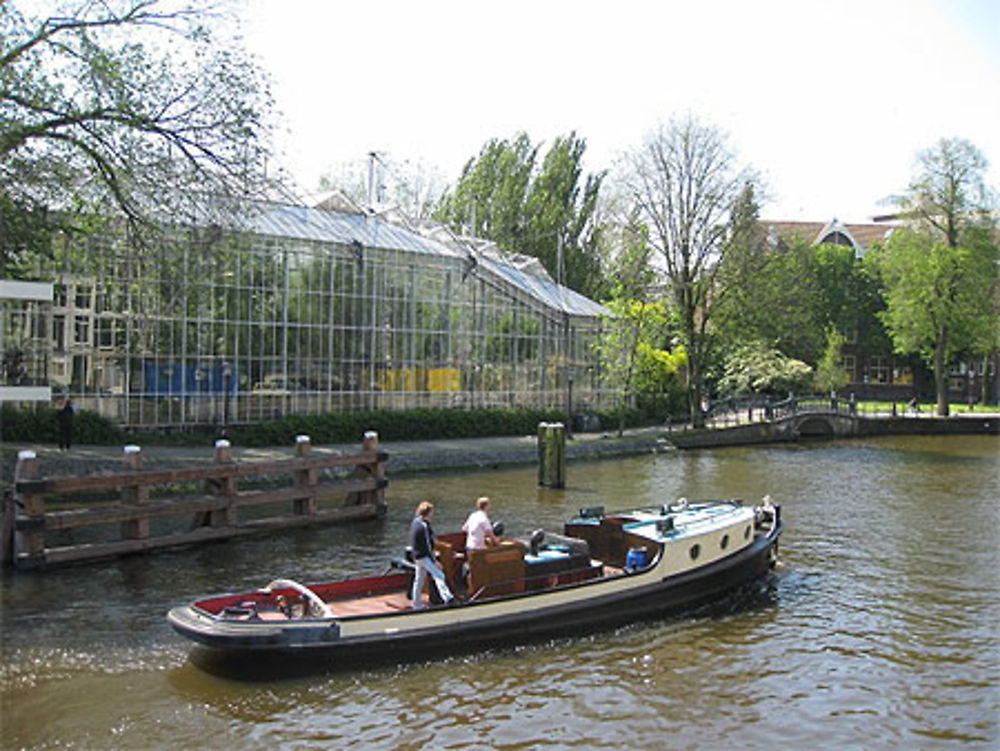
{"x": 879, "y": 629}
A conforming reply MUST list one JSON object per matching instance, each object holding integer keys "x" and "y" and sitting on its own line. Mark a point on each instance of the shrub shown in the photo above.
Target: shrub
{"x": 38, "y": 425}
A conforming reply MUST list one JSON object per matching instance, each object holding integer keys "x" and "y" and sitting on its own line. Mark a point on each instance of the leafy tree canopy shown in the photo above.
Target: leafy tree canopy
{"x": 830, "y": 374}
{"x": 949, "y": 193}
{"x": 140, "y": 108}
{"x": 940, "y": 273}
{"x": 939, "y": 298}
{"x": 757, "y": 368}
{"x": 546, "y": 210}
{"x": 685, "y": 182}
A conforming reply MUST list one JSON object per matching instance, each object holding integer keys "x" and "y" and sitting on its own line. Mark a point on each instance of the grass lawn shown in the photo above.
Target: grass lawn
{"x": 925, "y": 407}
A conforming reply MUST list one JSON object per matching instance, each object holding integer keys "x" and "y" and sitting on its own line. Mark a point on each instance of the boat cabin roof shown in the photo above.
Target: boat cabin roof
{"x": 677, "y": 521}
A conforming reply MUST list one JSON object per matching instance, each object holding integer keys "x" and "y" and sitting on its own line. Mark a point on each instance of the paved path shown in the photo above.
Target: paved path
{"x": 404, "y": 456}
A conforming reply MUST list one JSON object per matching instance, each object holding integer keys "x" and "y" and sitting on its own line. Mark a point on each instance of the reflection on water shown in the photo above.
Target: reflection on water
{"x": 878, "y": 629}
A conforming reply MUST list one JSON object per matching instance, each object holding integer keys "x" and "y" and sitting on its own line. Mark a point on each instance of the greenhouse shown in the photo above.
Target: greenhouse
{"x": 310, "y": 310}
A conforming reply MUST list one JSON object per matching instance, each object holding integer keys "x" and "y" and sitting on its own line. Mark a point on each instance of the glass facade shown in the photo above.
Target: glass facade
{"x": 25, "y": 319}
{"x": 299, "y": 317}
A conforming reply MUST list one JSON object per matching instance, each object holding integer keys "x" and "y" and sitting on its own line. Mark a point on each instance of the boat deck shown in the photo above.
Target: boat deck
{"x": 389, "y": 602}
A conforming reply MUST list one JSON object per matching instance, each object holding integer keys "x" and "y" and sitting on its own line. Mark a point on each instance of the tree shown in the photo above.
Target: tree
{"x": 635, "y": 363}
{"x": 941, "y": 273}
{"x": 633, "y": 335}
{"x": 488, "y": 200}
{"x": 756, "y": 368}
{"x": 939, "y": 298}
{"x": 685, "y": 182}
{"x": 739, "y": 309}
{"x": 138, "y": 107}
{"x": 541, "y": 210}
{"x": 949, "y": 193}
{"x": 830, "y": 374}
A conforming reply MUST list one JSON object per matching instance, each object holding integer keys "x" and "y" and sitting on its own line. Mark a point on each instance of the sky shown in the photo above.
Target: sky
{"x": 829, "y": 101}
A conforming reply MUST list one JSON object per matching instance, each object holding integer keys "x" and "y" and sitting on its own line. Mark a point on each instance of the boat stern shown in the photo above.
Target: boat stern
{"x": 220, "y": 633}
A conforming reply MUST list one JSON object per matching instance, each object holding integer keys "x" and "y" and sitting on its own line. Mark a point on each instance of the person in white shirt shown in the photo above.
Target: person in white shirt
{"x": 478, "y": 528}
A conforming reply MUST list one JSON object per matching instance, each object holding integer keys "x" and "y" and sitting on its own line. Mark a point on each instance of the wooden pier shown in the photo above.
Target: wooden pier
{"x": 128, "y": 520}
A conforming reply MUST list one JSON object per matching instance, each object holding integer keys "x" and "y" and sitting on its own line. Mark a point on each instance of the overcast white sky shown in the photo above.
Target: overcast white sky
{"x": 830, "y": 101}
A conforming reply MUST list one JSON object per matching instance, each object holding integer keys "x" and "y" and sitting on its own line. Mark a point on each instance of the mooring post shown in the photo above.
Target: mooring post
{"x": 223, "y": 487}
{"x": 29, "y": 521}
{"x": 552, "y": 454}
{"x": 7, "y": 530}
{"x": 134, "y": 495}
{"x": 369, "y": 442}
{"x": 305, "y": 478}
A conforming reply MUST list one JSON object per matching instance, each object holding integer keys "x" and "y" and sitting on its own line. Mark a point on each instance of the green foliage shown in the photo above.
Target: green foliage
{"x": 756, "y": 368}
{"x": 685, "y": 184}
{"x": 39, "y": 425}
{"x": 631, "y": 346}
{"x": 949, "y": 193}
{"x": 504, "y": 195}
{"x": 830, "y": 374}
{"x": 396, "y": 425}
{"x": 129, "y": 107}
{"x": 815, "y": 288}
{"x": 940, "y": 299}
{"x": 659, "y": 389}
{"x": 741, "y": 311}
{"x": 940, "y": 273}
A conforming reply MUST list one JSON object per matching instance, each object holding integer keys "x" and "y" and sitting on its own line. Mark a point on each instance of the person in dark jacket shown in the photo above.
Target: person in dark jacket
{"x": 64, "y": 421}
{"x": 422, "y": 544}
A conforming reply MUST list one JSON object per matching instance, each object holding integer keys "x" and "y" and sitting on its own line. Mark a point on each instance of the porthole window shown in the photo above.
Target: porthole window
{"x": 746, "y": 533}
{"x": 724, "y": 542}
{"x": 695, "y": 551}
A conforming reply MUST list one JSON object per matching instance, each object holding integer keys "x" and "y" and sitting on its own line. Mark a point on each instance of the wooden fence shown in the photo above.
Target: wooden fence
{"x": 124, "y": 506}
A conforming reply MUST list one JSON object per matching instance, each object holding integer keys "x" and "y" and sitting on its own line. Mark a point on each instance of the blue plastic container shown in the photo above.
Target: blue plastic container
{"x": 635, "y": 560}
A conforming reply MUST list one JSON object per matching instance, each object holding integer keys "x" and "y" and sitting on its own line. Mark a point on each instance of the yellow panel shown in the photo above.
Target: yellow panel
{"x": 443, "y": 379}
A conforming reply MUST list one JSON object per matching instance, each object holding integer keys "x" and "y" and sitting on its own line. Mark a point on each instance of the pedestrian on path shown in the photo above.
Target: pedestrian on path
{"x": 64, "y": 423}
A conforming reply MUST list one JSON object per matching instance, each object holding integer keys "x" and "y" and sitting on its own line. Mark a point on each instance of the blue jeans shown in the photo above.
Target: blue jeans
{"x": 425, "y": 566}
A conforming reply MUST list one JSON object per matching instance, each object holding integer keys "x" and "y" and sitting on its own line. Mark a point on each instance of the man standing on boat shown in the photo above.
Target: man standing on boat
{"x": 422, "y": 545}
{"x": 478, "y": 528}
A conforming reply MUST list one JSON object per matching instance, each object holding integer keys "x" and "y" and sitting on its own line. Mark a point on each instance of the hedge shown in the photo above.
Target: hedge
{"x": 39, "y": 426}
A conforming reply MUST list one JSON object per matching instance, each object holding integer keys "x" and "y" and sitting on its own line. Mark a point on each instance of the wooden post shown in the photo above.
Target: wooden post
{"x": 305, "y": 478}
{"x": 7, "y": 530}
{"x": 134, "y": 495}
{"x": 29, "y": 522}
{"x": 369, "y": 445}
{"x": 552, "y": 454}
{"x": 379, "y": 494}
{"x": 224, "y": 487}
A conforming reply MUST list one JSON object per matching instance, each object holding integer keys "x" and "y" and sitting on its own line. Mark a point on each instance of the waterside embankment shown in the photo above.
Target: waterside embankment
{"x": 406, "y": 457}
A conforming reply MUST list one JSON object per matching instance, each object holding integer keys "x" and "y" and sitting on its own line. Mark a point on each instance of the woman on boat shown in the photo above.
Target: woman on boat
{"x": 422, "y": 545}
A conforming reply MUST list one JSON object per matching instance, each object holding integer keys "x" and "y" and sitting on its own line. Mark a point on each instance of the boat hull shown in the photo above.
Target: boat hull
{"x": 523, "y": 618}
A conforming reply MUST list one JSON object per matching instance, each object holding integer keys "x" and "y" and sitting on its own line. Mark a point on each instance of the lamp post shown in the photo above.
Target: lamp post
{"x": 569, "y": 401}
{"x": 227, "y": 375}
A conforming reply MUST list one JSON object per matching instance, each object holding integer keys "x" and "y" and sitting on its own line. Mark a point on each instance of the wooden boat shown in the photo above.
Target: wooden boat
{"x": 605, "y": 568}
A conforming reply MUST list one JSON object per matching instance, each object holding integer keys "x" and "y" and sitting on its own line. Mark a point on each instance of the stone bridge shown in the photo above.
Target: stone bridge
{"x": 734, "y": 422}
{"x": 737, "y": 422}
{"x": 815, "y": 424}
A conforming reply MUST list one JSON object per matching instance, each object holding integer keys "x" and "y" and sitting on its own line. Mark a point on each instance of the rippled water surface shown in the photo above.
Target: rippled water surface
{"x": 878, "y": 630}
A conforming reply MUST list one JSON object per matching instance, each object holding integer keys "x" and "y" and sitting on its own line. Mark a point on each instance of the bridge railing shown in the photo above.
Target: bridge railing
{"x": 744, "y": 410}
